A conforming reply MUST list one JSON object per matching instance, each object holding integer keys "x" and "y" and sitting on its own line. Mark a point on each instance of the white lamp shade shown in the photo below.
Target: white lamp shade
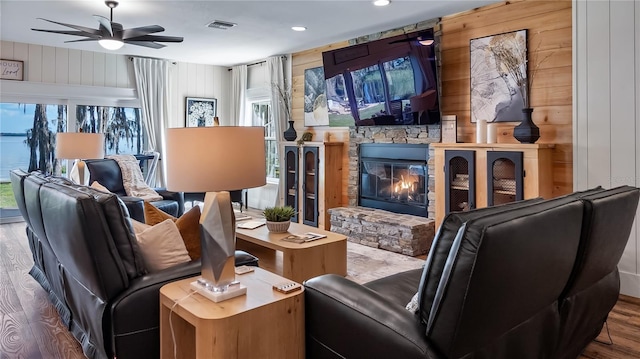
{"x": 82, "y": 145}
{"x": 221, "y": 158}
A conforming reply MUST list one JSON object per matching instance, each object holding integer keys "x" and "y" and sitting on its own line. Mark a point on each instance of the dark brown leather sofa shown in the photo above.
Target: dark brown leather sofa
{"x": 86, "y": 258}
{"x": 533, "y": 279}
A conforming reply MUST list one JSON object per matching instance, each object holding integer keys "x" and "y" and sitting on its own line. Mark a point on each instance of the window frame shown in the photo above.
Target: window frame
{"x": 256, "y": 95}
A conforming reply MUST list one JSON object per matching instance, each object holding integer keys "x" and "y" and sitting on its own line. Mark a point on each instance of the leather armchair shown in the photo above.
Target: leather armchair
{"x": 236, "y": 196}
{"x": 532, "y": 279}
{"x": 107, "y": 173}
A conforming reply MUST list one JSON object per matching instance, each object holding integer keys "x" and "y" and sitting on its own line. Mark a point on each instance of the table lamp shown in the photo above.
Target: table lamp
{"x": 216, "y": 160}
{"x": 80, "y": 146}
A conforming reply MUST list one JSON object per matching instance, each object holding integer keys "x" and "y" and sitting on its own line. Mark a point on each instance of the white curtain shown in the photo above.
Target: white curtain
{"x": 152, "y": 83}
{"x": 276, "y": 79}
{"x": 238, "y": 96}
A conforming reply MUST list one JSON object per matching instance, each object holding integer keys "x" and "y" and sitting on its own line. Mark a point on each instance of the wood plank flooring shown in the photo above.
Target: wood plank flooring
{"x": 30, "y": 326}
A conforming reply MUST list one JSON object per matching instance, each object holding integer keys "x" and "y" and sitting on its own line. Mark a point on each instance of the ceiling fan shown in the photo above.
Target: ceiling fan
{"x": 424, "y": 38}
{"x": 112, "y": 36}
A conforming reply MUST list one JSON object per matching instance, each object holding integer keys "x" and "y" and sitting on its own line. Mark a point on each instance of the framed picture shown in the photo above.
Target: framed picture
{"x": 315, "y": 98}
{"x": 11, "y": 70}
{"x": 499, "y": 77}
{"x": 200, "y": 112}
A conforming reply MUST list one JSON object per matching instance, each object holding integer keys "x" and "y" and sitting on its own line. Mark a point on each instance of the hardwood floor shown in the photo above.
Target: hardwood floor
{"x": 30, "y": 326}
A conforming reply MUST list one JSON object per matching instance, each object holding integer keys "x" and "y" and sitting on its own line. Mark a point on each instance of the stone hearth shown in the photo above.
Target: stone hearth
{"x": 400, "y": 233}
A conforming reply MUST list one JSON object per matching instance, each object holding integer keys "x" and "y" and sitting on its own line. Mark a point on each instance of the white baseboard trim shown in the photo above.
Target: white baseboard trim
{"x": 630, "y": 284}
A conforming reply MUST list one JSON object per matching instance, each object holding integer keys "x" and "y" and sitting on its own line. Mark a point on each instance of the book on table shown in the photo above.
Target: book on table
{"x": 250, "y": 224}
{"x": 240, "y": 216}
{"x": 303, "y": 238}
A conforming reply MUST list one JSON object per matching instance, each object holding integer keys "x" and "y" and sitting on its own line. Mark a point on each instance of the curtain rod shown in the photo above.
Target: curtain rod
{"x": 260, "y": 62}
{"x": 154, "y": 58}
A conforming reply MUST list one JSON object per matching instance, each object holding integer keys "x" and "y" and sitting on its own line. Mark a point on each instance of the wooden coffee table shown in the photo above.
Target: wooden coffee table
{"x": 263, "y": 323}
{"x": 298, "y": 261}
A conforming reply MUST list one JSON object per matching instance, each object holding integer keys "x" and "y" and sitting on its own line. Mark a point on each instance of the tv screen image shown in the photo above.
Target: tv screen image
{"x": 392, "y": 81}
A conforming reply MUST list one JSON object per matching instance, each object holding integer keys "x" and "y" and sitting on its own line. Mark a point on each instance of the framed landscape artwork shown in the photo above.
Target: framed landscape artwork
{"x": 315, "y": 98}
{"x": 200, "y": 112}
{"x": 498, "y": 76}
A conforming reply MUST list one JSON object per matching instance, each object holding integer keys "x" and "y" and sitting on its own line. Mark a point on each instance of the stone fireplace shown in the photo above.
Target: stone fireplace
{"x": 394, "y": 177}
{"x": 388, "y": 228}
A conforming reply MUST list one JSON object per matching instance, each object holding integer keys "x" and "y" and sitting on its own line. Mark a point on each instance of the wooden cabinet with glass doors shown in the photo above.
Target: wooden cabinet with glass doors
{"x": 313, "y": 181}
{"x": 472, "y": 175}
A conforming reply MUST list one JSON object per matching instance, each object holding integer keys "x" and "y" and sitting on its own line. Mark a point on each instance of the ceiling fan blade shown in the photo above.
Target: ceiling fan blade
{"x": 69, "y": 32}
{"x": 77, "y": 27}
{"x": 141, "y": 31}
{"x": 104, "y": 23}
{"x": 152, "y": 45}
{"x": 83, "y": 40}
{"x": 156, "y": 38}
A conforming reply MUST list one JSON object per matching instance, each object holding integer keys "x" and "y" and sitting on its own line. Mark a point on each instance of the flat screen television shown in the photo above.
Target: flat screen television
{"x": 392, "y": 81}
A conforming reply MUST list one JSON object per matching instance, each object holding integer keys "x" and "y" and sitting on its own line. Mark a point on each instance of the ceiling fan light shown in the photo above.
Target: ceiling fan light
{"x": 111, "y": 44}
{"x": 426, "y": 42}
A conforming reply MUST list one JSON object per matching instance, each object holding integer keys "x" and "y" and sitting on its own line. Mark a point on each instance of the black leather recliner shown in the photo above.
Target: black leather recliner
{"x": 533, "y": 279}
{"x": 107, "y": 172}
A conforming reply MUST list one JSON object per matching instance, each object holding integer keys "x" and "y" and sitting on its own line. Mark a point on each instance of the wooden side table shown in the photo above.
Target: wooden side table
{"x": 263, "y": 323}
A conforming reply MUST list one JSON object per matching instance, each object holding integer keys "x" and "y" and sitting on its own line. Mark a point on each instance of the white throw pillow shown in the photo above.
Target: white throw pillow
{"x": 162, "y": 246}
{"x": 139, "y": 227}
{"x": 412, "y": 306}
{"x": 99, "y": 187}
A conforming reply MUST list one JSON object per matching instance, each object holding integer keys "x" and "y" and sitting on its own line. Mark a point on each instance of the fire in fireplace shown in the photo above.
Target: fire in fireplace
{"x": 394, "y": 177}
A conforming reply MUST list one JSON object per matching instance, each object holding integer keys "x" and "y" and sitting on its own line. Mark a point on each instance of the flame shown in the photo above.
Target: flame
{"x": 402, "y": 184}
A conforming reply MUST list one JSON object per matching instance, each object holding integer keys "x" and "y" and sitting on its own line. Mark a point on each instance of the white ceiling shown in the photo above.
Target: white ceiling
{"x": 264, "y": 27}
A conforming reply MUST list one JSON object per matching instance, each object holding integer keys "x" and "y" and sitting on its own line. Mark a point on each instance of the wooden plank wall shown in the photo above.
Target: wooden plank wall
{"x": 549, "y": 32}
{"x": 68, "y": 66}
{"x": 47, "y": 64}
{"x": 307, "y": 60}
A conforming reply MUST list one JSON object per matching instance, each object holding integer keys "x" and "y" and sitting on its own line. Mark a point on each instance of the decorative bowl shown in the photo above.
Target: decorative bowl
{"x": 278, "y": 227}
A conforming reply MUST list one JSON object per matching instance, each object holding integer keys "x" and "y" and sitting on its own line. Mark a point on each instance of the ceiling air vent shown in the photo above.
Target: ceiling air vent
{"x": 223, "y": 25}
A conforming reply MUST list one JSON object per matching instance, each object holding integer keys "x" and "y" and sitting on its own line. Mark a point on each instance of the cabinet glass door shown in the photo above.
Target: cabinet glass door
{"x": 291, "y": 179}
{"x": 310, "y": 186}
{"x": 504, "y": 185}
{"x": 460, "y": 181}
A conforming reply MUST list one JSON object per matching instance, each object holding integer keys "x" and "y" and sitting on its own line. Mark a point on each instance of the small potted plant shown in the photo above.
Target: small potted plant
{"x": 278, "y": 218}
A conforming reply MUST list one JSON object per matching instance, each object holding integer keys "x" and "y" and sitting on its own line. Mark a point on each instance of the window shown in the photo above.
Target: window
{"x": 122, "y": 127}
{"x": 261, "y": 116}
{"x": 27, "y": 141}
{"x": 369, "y": 91}
{"x": 28, "y": 137}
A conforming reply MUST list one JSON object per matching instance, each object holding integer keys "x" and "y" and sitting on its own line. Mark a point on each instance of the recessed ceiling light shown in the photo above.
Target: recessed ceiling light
{"x": 298, "y": 28}
{"x": 381, "y": 2}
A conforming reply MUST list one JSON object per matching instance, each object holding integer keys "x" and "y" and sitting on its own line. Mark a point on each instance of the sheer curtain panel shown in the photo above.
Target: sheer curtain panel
{"x": 152, "y": 83}
{"x": 238, "y": 96}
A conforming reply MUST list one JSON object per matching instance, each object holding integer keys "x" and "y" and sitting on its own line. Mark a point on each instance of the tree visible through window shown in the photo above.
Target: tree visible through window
{"x": 29, "y": 137}
{"x": 121, "y": 126}
{"x": 261, "y": 116}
